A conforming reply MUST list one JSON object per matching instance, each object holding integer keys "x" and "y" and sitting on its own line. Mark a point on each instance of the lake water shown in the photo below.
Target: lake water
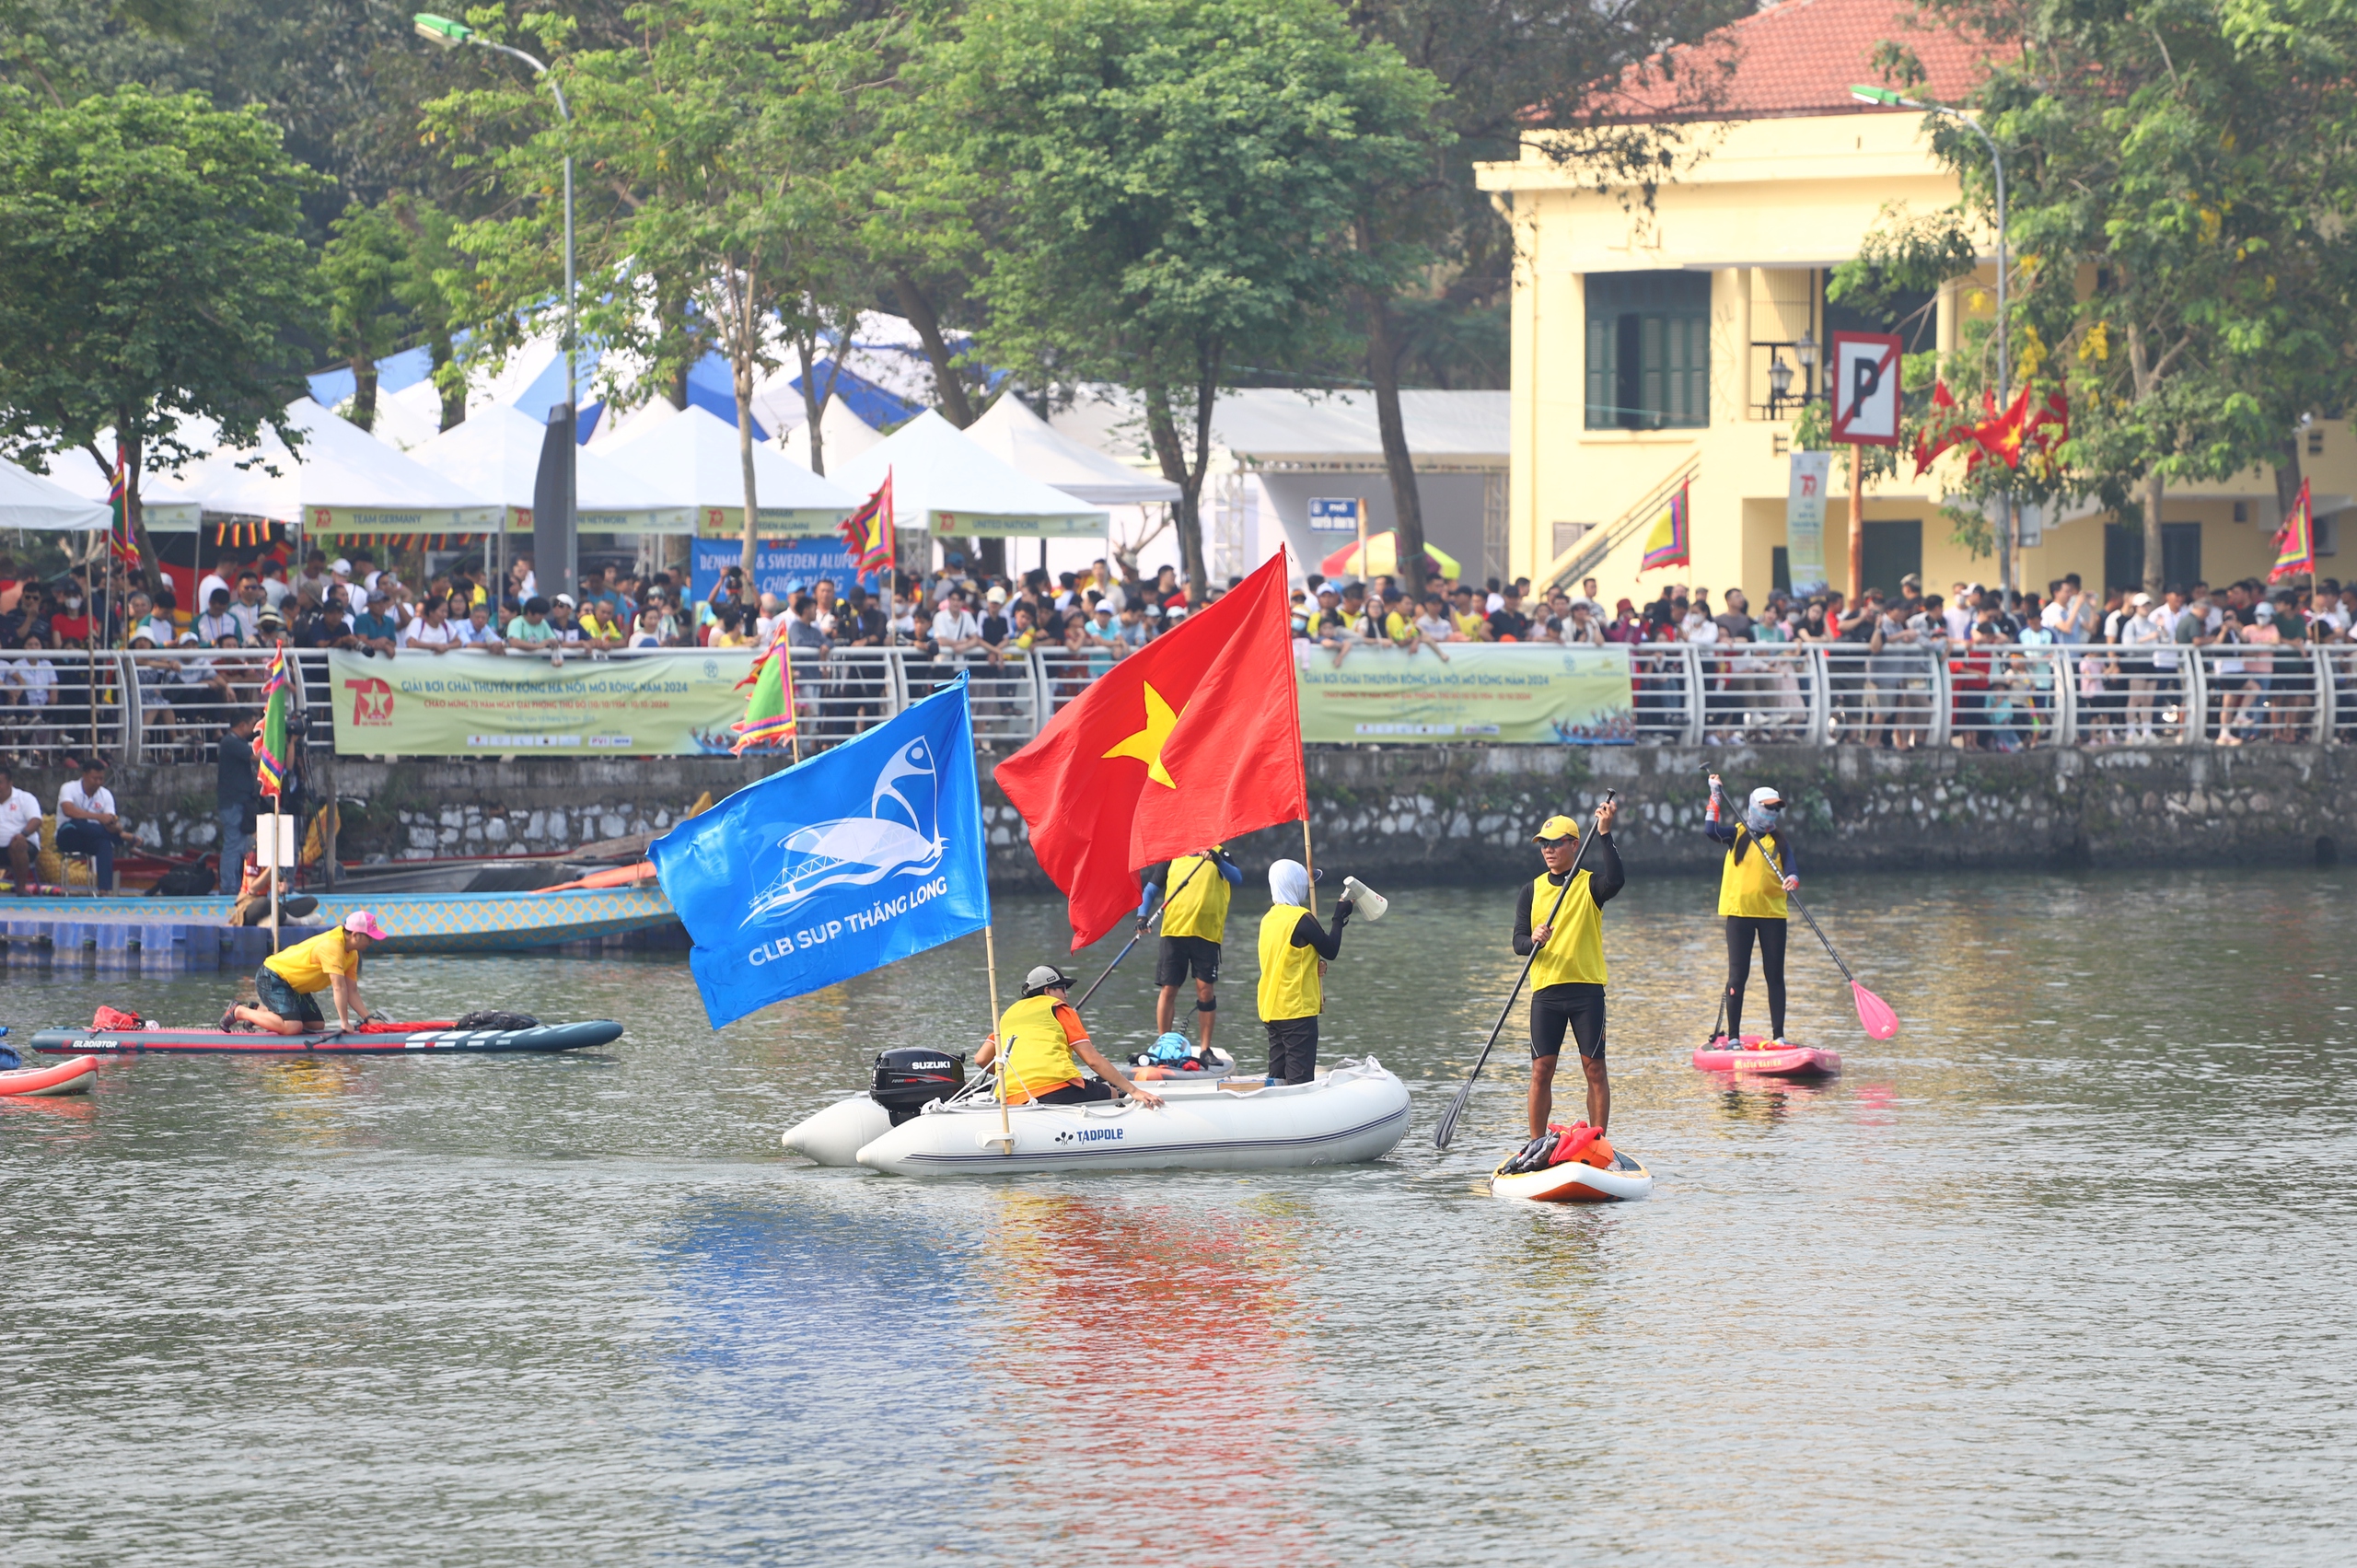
{"x": 2067, "y": 1271}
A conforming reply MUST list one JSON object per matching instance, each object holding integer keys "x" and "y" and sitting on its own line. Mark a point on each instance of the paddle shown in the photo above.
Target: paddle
{"x": 1875, "y": 1015}
{"x": 1144, "y": 919}
{"x": 1447, "y": 1128}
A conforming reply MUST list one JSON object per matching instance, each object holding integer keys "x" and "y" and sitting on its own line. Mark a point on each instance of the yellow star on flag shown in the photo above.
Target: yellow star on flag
{"x": 1146, "y": 744}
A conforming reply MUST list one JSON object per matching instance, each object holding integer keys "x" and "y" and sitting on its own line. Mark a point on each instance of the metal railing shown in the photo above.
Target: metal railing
{"x": 167, "y": 705}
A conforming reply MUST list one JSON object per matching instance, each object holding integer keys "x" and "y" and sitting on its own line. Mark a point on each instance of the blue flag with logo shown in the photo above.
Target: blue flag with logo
{"x": 860, "y": 857}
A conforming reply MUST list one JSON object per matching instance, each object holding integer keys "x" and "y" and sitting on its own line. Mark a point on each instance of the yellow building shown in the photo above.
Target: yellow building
{"x": 1646, "y": 341}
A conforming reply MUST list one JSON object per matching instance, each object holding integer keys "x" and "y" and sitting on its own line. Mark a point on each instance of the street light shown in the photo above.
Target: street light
{"x": 1889, "y": 99}
{"x": 444, "y": 33}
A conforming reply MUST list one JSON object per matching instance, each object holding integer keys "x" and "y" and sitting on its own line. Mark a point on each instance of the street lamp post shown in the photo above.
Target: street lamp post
{"x": 1889, "y": 100}
{"x": 447, "y": 34}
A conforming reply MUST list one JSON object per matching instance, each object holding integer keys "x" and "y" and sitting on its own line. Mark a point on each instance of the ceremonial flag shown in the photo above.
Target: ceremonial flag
{"x": 769, "y": 711}
{"x": 853, "y": 860}
{"x": 867, "y": 533}
{"x": 1945, "y": 428}
{"x": 1193, "y": 738}
{"x": 1670, "y": 542}
{"x": 270, "y": 745}
{"x": 2295, "y": 541}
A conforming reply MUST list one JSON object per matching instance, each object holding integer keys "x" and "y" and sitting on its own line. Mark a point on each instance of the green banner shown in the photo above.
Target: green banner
{"x": 1519, "y": 694}
{"x": 470, "y": 704}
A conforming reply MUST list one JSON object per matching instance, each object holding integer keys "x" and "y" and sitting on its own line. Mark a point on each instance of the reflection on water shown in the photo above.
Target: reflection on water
{"x": 2063, "y": 1269}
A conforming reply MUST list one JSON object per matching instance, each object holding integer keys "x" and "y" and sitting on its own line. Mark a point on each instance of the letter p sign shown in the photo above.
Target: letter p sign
{"x": 1865, "y": 388}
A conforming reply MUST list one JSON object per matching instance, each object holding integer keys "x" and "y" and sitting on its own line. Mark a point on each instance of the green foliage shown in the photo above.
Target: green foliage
{"x": 151, "y": 270}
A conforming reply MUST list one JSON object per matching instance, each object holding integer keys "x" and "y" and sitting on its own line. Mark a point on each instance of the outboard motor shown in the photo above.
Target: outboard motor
{"x": 907, "y": 1080}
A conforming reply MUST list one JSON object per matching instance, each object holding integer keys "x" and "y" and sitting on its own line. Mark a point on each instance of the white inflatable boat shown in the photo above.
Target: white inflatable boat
{"x": 1358, "y": 1112}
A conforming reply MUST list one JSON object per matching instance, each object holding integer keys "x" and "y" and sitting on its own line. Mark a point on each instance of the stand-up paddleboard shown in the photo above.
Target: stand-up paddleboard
{"x": 372, "y": 1040}
{"x": 73, "y": 1076}
{"x": 1757, "y": 1055}
{"x": 1574, "y": 1182}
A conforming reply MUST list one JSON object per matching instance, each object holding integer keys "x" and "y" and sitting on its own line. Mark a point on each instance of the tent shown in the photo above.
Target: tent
{"x": 690, "y": 458}
{"x": 29, "y": 500}
{"x": 1010, "y": 432}
{"x": 943, "y": 481}
{"x": 496, "y": 455}
{"x": 163, "y": 505}
{"x": 843, "y": 437}
{"x": 343, "y": 481}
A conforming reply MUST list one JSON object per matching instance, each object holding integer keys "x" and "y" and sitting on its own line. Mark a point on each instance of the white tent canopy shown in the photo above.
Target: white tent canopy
{"x": 496, "y": 453}
{"x": 164, "y": 506}
{"x": 945, "y": 483}
{"x": 1010, "y": 432}
{"x": 843, "y": 436}
{"x": 343, "y": 481}
{"x": 29, "y": 500}
{"x": 691, "y": 459}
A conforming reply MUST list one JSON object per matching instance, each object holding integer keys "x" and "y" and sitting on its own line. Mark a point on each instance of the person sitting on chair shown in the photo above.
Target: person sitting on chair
{"x": 88, "y": 823}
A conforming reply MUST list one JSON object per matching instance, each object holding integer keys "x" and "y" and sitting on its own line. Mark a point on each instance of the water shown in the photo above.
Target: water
{"x": 2063, "y": 1272}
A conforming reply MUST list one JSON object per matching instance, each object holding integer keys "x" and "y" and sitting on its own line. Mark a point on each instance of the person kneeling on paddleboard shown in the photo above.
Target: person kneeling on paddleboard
{"x": 1294, "y": 950}
{"x": 1043, "y": 1036}
{"x": 1751, "y": 897}
{"x": 288, "y": 982}
{"x": 1567, "y": 976}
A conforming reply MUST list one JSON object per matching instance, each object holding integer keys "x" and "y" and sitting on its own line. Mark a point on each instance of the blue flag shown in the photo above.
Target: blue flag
{"x": 860, "y": 857}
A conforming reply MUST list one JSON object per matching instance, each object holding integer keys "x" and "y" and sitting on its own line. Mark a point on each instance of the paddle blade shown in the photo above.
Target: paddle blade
{"x": 1447, "y": 1128}
{"x": 1875, "y": 1015}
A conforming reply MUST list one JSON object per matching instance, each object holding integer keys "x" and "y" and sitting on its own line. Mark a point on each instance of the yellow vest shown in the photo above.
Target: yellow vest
{"x": 1751, "y": 887}
{"x": 1575, "y": 951}
{"x": 1197, "y": 904}
{"x": 1289, "y": 983}
{"x": 1037, "y": 1056}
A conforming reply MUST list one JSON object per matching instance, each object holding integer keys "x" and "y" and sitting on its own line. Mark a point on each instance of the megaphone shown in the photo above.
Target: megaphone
{"x": 1365, "y": 901}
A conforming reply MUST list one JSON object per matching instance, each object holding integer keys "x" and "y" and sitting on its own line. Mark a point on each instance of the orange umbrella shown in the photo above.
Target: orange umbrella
{"x": 1383, "y": 559}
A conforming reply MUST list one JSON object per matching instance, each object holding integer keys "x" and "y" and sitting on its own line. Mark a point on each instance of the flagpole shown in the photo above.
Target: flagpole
{"x": 792, "y": 707}
{"x": 1309, "y": 864}
{"x": 274, "y": 831}
{"x": 998, "y": 1056}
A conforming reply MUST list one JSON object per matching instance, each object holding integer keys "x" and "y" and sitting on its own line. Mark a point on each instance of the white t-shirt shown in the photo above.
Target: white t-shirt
{"x": 19, "y": 813}
{"x": 36, "y": 677}
{"x": 954, "y": 625}
{"x": 423, "y": 634}
{"x": 102, "y": 802}
{"x": 212, "y": 580}
{"x": 274, "y": 591}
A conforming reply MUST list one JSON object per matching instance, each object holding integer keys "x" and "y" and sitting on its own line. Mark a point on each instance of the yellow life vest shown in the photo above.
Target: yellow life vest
{"x": 1750, "y": 886}
{"x": 1575, "y": 952}
{"x": 1038, "y": 1057}
{"x": 1197, "y": 904}
{"x": 1289, "y": 984}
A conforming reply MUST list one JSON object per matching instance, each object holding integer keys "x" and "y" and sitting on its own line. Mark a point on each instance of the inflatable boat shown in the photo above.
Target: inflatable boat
{"x": 1757, "y": 1055}
{"x": 369, "y": 1039}
{"x": 73, "y": 1076}
{"x": 1358, "y": 1112}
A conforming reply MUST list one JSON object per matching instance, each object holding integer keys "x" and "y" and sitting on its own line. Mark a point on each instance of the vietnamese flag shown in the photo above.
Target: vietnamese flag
{"x": 1192, "y": 740}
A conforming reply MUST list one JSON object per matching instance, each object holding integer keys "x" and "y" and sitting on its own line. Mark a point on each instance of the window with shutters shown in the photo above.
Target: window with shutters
{"x": 1648, "y": 351}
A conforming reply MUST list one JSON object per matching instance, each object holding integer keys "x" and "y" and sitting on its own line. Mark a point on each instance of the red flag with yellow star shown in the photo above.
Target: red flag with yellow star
{"x": 1191, "y": 739}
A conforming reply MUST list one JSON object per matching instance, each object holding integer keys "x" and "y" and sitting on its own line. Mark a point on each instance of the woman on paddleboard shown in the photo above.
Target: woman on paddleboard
{"x": 1751, "y": 897}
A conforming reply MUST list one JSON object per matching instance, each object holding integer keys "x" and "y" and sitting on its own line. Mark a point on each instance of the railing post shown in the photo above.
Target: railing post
{"x": 1690, "y": 661}
{"x": 2193, "y": 726}
{"x": 1943, "y": 725}
{"x": 1038, "y": 662}
{"x": 896, "y": 682}
{"x": 131, "y": 739}
{"x": 2328, "y": 720}
{"x": 1820, "y": 694}
{"x": 2066, "y": 694}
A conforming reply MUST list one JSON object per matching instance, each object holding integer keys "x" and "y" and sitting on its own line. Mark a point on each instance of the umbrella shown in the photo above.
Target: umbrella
{"x": 1382, "y": 559}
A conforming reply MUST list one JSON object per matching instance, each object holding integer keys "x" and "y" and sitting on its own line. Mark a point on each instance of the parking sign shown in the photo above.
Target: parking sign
{"x": 1865, "y": 388}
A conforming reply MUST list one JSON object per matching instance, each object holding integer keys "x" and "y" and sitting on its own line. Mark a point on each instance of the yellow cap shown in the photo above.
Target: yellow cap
{"x": 1556, "y": 827}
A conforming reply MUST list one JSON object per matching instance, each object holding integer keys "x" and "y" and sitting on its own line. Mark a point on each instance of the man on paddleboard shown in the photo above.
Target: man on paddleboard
{"x": 289, "y": 983}
{"x": 1194, "y": 922}
{"x": 1046, "y": 1043}
{"x": 1567, "y": 976}
{"x": 1751, "y": 897}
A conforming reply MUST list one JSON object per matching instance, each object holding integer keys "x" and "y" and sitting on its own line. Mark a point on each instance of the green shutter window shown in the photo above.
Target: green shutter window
{"x": 1648, "y": 351}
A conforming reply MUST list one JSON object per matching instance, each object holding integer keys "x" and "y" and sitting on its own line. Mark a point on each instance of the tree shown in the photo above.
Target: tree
{"x": 151, "y": 272}
{"x": 362, "y": 270}
{"x": 1173, "y": 186}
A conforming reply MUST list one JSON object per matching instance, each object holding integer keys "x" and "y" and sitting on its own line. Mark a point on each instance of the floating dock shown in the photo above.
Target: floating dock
{"x": 161, "y": 935}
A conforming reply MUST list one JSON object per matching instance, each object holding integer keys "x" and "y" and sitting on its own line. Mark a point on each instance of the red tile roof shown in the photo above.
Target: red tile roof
{"x": 1796, "y": 58}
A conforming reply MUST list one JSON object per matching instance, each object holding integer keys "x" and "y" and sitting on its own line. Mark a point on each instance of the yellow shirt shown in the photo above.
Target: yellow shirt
{"x": 1469, "y": 625}
{"x": 1290, "y": 987}
{"x": 1399, "y": 627}
{"x": 1573, "y": 953}
{"x": 1198, "y": 897}
{"x": 1751, "y": 886}
{"x": 307, "y": 966}
{"x": 1040, "y": 1032}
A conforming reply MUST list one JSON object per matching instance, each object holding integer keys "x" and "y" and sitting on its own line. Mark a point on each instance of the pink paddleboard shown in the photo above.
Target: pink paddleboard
{"x": 73, "y": 1076}
{"x": 1756, "y": 1056}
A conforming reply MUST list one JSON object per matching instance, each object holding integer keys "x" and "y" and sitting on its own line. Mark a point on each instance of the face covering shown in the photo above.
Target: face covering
{"x": 1760, "y": 818}
{"x": 73, "y": 604}
{"x": 1289, "y": 882}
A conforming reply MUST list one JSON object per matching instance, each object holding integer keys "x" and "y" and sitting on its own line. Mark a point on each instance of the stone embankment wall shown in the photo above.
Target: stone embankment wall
{"x": 1439, "y": 814}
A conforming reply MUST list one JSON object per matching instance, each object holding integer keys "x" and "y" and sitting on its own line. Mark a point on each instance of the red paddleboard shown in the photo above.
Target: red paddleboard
{"x": 73, "y": 1076}
{"x": 1756, "y": 1056}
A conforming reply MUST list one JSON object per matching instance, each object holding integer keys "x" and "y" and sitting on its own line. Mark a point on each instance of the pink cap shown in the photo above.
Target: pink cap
{"x": 365, "y": 923}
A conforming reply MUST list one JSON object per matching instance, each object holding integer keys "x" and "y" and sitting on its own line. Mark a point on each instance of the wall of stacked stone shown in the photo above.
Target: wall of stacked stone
{"x": 1440, "y": 814}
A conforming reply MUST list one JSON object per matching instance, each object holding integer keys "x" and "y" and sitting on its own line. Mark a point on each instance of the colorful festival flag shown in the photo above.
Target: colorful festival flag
{"x": 270, "y": 746}
{"x": 2295, "y": 541}
{"x": 769, "y": 712}
{"x": 867, "y": 533}
{"x": 1670, "y": 543}
{"x": 119, "y": 539}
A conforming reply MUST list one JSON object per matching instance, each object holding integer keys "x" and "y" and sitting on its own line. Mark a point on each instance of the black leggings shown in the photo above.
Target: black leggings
{"x": 1740, "y": 928}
